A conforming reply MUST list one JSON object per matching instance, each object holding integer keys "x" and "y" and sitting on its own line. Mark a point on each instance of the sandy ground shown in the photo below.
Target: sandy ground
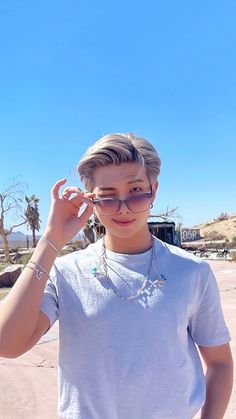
{"x": 28, "y": 384}
{"x": 225, "y": 229}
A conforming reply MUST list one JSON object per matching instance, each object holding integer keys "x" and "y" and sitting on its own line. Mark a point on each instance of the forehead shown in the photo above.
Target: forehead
{"x": 118, "y": 175}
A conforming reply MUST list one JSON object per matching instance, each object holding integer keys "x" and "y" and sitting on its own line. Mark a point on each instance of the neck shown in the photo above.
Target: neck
{"x": 129, "y": 245}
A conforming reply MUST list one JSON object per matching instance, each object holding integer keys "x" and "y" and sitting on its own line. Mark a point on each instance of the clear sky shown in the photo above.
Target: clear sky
{"x": 72, "y": 71}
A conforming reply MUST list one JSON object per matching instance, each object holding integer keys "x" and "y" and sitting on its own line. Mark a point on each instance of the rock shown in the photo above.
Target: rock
{"x": 9, "y": 275}
{"x": 16, "y": 257}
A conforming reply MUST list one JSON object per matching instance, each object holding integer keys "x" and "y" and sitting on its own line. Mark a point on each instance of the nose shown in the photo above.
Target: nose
{"x": 123, "y": 208}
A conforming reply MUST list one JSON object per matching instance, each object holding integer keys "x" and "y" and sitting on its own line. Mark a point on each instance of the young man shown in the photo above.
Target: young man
{"x": 132, "y": 310}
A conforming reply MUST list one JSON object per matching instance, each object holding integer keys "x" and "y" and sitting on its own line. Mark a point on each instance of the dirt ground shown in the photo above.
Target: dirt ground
{"x": 28, "y": 384}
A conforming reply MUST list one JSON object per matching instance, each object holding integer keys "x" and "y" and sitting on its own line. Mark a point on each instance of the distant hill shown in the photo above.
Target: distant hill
{"x": 18, "y": 238}
{"x": 219, "y": 230}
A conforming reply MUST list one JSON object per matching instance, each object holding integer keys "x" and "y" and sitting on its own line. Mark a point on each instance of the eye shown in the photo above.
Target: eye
{"x": 136, "y": 189}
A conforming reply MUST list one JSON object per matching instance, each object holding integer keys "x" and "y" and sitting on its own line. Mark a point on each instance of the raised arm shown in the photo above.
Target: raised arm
{"x": 21, "y": 323}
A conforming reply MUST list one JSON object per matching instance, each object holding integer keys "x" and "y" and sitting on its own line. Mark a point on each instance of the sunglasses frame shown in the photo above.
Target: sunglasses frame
{"x": 121, "y": 201}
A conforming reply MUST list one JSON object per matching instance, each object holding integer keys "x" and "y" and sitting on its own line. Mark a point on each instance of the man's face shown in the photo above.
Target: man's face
{"x": 123, "y": 181}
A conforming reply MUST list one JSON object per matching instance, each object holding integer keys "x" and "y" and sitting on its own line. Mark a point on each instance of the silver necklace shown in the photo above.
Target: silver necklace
{"x": 109, "y": 281}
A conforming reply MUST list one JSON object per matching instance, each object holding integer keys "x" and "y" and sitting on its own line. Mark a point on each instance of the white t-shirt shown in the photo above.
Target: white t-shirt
{"x": 122, "y": 359}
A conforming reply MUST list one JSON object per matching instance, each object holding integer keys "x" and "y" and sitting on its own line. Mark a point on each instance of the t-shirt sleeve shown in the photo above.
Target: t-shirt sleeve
{"x": 49, "y": 304}
{"x": 207, "y": 324}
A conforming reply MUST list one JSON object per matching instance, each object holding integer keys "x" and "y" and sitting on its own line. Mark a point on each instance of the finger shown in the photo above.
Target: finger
{"x": 78, "y": 203}
{"x": 80, "y": 197}
{"x": 66, "y": 194}
{"x": 56, "y": 187}
{"x": 70, "y": 190}
{"x": 90, "y": 195}
{"x": 83, "y": 218}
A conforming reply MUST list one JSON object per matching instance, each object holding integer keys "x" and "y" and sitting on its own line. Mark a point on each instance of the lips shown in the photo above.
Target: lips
{"x": 123, "y": 222}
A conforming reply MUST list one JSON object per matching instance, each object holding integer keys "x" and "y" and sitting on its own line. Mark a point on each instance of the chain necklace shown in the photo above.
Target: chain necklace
{"x": 109, "y": 281}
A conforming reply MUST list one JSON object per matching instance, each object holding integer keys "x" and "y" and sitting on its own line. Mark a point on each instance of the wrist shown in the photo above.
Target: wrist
{"x": 56, "y": 250}
{"x": 51, "y": 242}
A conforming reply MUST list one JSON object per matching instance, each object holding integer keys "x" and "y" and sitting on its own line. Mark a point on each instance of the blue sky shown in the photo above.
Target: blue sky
{"x": 72, "y": 71}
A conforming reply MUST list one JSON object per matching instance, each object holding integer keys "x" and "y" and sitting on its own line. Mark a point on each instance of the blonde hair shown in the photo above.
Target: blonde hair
{"x": 116, "y": 149}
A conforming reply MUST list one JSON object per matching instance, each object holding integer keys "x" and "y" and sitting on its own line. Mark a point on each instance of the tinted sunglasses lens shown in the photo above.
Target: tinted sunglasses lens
{"x": 138, "y": 203}
{"x": 108, "y": 206}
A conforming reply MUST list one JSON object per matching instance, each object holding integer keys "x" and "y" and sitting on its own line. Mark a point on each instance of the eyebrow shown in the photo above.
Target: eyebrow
{"x": 101, "y": 188}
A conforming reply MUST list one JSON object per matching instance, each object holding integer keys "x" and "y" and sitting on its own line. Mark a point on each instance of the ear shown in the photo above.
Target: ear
{"x": 154, "y": 189}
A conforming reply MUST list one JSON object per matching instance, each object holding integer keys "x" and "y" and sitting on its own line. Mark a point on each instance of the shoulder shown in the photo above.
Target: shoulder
{"x": 168, "y": 250}
{"x": 180, "y": 260}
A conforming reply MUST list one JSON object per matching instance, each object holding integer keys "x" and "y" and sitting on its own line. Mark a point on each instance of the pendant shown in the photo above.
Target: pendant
{"x": 94, "y": 272}
{"x": 160, "y": 281}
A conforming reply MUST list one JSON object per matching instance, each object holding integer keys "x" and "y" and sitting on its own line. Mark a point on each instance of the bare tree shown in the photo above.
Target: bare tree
{"x": 11, "y": 199}
{"x": 167, "y": 214}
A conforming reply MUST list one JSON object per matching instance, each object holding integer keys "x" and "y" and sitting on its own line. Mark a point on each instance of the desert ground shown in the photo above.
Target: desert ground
{"x": 28, "y": 384}
{"x": 219, "y": 229}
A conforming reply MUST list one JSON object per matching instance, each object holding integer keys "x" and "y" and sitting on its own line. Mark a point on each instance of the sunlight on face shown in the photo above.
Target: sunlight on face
{"x": 123, "y": 181}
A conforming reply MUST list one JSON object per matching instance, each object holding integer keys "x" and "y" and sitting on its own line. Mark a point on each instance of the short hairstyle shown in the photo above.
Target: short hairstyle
{"x": 116, "y": 149}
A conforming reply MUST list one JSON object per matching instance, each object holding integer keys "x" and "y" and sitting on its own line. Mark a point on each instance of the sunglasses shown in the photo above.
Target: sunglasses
{"x": 112, "y": 206}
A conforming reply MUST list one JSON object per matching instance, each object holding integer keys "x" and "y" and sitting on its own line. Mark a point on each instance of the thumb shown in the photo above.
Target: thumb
{"x": 83, "y": 218}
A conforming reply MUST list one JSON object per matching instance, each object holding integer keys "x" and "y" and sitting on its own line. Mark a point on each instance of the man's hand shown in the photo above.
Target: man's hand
{"x": 64, "y": 220}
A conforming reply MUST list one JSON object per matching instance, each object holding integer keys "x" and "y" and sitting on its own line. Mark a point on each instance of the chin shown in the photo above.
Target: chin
{"x": 125, "y": 233}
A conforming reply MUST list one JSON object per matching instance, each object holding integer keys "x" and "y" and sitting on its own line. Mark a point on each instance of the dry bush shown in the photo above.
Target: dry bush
{"x": 214, "y": 235}
{"x": 233, "y": 256}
